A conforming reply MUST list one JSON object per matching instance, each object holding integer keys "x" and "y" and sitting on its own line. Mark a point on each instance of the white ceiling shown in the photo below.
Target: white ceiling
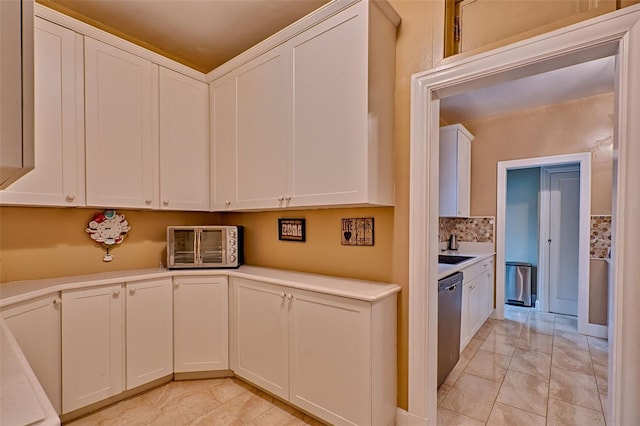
{"x": 202, "y": 34}
{"x": 560, "y": 85}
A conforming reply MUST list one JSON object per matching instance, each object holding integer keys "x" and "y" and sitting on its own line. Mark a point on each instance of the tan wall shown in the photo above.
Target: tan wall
{"x": 577, "y": 126}
{"x": 322, "y": 252}
{"x": 46, "y": 242}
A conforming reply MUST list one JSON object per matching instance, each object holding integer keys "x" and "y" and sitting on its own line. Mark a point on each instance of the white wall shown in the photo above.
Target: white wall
{"x": 522, "y": 221}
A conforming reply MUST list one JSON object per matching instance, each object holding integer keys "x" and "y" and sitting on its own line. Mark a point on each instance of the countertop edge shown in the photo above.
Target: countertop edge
{"x": 452, "y": 269}
{"x": 370, "y": 291}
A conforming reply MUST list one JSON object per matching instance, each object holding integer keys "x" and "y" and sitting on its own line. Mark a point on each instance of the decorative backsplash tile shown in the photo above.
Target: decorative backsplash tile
{"x": 468, "y": 229}
{"x": 600, "y": 236}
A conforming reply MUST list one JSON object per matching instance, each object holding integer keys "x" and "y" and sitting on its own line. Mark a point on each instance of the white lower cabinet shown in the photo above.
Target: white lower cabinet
{"x": 114, "y": 338}
{"x": 92, "y": 345}
{"x": 200, "y": 324}
{"x": 332, "y": 356}
{"x": 149, "y": 326}
{"x": 35, "y": 324}
{"x": 477, "y": 299}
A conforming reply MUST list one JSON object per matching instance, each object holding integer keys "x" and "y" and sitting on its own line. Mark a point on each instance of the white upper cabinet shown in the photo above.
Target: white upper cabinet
{"x": 121, "y": 96}
{"x": 455, "y": 171}
{"x": 250, "y": 111}
{"x": 184, "y": 142}
{"x": 312, "y": 116}
{"x": 58, "y": 177}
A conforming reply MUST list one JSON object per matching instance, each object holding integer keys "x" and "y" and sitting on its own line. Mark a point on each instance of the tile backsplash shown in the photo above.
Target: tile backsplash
{"x": 600, "y": 237}
{"x": 479, "y": 229}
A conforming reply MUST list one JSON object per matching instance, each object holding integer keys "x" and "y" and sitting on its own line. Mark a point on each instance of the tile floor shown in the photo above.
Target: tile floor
{"x": 227, "y": 401}
{"x": 533, "y": 368}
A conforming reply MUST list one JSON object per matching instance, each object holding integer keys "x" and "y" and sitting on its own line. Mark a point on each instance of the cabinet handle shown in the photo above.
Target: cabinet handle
{"x": 176, "y": 285}
{"x": 148, "y": 201}
{"x": 116, "y": 293}
{"x": 132, "y": 291}
{"x": 57, "y": 302}
{"x": 282, "y": 295}
{"x": 71, "y": 197}
{"x": 280, "y": 198}
{"x": 227, "y": 203}
{"x": 289, "y": 296}
{"x": 165, "y": 202}
{"x": 485, "y": 265}
{"x": 287, "y": 197}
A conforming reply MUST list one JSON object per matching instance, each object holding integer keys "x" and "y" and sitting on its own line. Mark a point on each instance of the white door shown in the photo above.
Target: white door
{"x": 184, "y": 142}
{"x": 36, "y": 326}
{"x": 92, "y": 345}
{"x": 121, "y": 94}
{"x": 223, "y": 143}
{"x": 149, "y": 331}
{"x": 201, "y": 324}
{"x": 260, "y": 334}
{"x": 564, "y": 225}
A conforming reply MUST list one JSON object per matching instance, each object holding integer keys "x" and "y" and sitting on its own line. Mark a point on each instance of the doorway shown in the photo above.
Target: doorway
{"x": 563, "y": 245}
{"x": 614, "y": 35}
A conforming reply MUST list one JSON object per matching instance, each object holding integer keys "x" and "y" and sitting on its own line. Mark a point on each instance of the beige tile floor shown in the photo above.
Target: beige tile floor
{"x": 533, "y": 368}
{"x": 227, "y": 401}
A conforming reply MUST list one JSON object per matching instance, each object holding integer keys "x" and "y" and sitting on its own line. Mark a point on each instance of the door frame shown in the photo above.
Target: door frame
{"x": 613, "y": 34}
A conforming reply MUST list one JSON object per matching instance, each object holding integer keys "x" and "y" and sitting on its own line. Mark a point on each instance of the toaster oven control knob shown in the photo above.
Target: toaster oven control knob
{"x": 232, "y": 250}
{"x": 232, "y": 258}
{"x": 232, "y": 233}
{"x": 232, "y": 242}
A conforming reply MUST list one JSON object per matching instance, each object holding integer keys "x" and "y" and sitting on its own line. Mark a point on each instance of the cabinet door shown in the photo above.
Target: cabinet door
{"x": 201, "y": 324}
{"x": 455, "y": 169}
{"x": 330, "y": 357}
{"x": 149, "y": 331}
{"x": 36, "y": 326}
{"x": 260, "y": 334}
{"x": 121, "y": 94}
{"x": 184, "y": 142}
{"x": 330, "y": 121}
{"x": 475, "y": 287}
{"x": 223, "y": 139}
{"x": 262, "y": 136}
{"x": 92, "y": 345}
{"x": 58, "y": 177}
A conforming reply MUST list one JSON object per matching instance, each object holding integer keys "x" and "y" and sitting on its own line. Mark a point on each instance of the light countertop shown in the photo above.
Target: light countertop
{"x": 477, "y": 252}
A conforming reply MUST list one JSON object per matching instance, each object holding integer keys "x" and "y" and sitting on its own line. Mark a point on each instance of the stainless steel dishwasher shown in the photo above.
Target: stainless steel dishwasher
{"x": 449, "y": 312}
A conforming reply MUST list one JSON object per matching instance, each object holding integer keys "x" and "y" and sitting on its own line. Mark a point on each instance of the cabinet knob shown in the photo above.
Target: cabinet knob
{"x": 57, "y": 302}
{"x": 132, "y": 291}
{"x": 176, "y": 285}
{"x": 280, "y": 198}
{"x": 282, "y": 295}
{"x": 287, "y": 197}
{"x": 165, "y": 202}
{"x": 227, "y": 203}
{"x": 116, "y": 293}
{"x": 71, "y": 197}
{"x": 289, "y": 296}
{"x": 148, "y": 201}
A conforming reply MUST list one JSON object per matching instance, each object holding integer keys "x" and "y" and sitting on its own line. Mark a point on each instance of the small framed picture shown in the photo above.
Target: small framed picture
{"x": 291, "y": 230}
{"x": 357, "y": 231}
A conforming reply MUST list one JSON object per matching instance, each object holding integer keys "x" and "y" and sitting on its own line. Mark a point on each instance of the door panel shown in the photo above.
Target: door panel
{"x": 563, "y": 250}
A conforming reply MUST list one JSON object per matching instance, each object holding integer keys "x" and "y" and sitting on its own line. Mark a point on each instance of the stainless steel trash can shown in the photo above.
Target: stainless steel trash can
{"x": 518, "y": 283}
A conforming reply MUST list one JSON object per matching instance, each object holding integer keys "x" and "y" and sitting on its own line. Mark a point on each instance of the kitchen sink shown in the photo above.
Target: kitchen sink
{"x": 452, "y": 259}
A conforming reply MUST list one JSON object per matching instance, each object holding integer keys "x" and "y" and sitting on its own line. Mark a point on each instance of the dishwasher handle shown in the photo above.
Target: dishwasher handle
{"x": 451, "y": 287}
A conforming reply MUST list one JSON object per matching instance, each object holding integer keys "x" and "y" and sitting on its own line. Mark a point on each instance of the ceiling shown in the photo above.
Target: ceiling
{"x": 202, "y": 34}
{"x": 560, "y": 85}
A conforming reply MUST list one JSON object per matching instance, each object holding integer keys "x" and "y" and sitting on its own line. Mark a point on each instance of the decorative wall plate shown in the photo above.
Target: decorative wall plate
{"x": 108, "y": 228}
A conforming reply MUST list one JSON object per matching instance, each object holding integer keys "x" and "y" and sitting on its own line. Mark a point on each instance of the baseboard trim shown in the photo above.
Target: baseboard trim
{"x": 404, "y": 418}
{"x": 197, "y": 375}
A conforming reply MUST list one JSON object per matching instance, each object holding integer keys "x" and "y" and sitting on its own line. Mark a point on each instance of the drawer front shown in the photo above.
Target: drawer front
{"x": 476, "y": 269}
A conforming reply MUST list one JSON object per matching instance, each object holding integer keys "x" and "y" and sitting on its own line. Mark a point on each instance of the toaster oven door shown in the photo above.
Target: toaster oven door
{"x": 212, "y": 247}
{"x": 184, "y": 247}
